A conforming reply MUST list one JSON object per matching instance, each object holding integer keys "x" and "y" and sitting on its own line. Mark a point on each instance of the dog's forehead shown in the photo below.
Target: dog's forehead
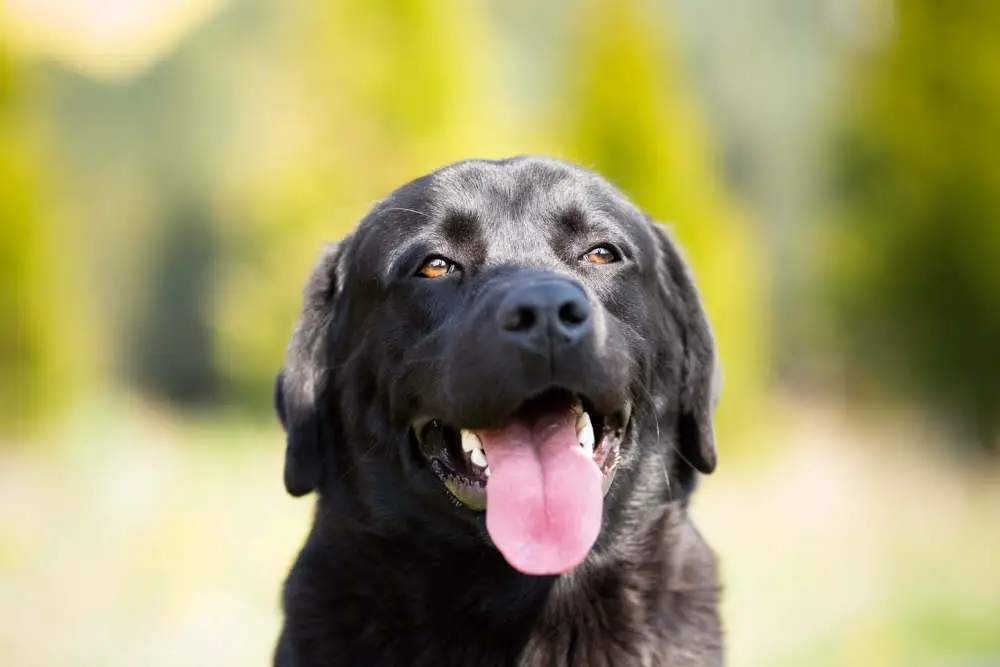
{"x": 516, "y": 211}
{"x": 520, "y": 210}
{"x": 507, "y": 188}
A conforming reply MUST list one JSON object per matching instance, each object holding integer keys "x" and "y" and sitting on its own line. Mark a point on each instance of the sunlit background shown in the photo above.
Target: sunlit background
{"x": 170, "y": 168}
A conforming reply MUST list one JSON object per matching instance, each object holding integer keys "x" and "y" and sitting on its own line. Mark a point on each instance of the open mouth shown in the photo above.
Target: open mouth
{"x": 460, "y": 457}
{"x": 541, "y": 476}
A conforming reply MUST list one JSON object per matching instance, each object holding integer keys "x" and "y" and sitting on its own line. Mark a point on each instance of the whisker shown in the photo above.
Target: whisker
{"x": 408, "y": 210}
{"x": 647, "y": 398}
{"x": 356, "y": 462}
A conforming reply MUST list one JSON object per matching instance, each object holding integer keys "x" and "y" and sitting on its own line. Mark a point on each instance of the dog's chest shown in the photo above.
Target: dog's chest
{"x": 628, "y": 617}
{"x": 607, "y": 622}
{"x": 611, "y": 640}
{"x": 639, "y": 612}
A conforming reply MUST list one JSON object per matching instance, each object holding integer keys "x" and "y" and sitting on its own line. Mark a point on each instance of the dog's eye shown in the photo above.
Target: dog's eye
{"x": 601, "y": 254}
{"x": 435, "y": 267}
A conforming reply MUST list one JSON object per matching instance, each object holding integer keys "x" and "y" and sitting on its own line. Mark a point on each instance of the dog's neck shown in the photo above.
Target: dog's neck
{"x": 386, "y": 601}
{"x": 391, "y": 595}
{"x": 441, "y": 569}
{"x": 453, "y": 565}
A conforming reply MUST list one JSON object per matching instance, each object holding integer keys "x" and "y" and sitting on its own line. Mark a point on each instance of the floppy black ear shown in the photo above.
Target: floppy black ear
{"x": 701, "y": 375}
{"x": 302, "y": 381}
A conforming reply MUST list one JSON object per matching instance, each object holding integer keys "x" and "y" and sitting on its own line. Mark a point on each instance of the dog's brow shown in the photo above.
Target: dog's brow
{"x": 461, "y": 228}
{"x": 573, "y": 219}
{"x": 463, "y": 231}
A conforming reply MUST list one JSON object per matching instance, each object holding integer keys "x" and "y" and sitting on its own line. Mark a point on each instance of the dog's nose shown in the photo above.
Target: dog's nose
{"x": 541, "y": 315}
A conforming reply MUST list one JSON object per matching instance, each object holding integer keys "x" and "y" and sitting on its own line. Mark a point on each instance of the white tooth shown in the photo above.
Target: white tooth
{"x": 586, "y": 432}
{"x": 487, "y": 471}
{"x": 473, "y": 446}
{"x": 471, "y": 442}
{"x": 479, "y": 458}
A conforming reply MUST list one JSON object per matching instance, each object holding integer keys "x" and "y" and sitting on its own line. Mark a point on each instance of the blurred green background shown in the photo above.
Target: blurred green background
{"x": 170, "y": 168}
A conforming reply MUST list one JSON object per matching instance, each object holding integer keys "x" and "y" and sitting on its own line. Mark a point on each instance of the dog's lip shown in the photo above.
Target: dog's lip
{"x": 466, "y": 483}
{"x": 619, "y": 416}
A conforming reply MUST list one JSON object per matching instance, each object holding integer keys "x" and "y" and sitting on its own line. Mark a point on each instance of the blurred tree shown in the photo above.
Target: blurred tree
{"x": 628, "y": 114}
{"x": 161, "y": 170}
{"x": 915, "y": 256}
{"x": 172, "y": 347}
{"x": 41, "y": 339}
{"x": 134, "y": 157}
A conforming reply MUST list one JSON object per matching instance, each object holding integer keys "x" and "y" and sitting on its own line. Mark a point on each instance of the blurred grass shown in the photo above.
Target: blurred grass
{"x": 859, "y": 542}
{"x": 135, "y": 538}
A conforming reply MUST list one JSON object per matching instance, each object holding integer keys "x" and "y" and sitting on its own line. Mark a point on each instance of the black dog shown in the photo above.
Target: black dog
{"x": 501, "y": 385}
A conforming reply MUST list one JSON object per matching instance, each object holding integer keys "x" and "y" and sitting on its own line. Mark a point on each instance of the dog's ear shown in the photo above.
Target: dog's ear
{"x": 700, "y": 371}
{"x": 302, "y": 383}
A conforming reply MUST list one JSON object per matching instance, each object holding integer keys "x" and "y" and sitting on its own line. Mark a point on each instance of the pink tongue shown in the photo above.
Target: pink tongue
{"x": 543, "y": 498}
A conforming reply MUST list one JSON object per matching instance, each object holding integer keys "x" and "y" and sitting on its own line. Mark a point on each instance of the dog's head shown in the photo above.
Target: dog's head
{"x": 506, "y": 344}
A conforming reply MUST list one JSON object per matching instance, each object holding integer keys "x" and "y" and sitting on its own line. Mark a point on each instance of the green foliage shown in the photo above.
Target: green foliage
{"x": 629, "y": 115}
{"x": 916, "y": 256}
{"x": 174, "y": 342}
{"x": 38, "y": 335}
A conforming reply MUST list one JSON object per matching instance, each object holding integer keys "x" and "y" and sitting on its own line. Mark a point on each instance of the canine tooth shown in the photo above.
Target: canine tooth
{"x": 473, "y": 446}
{"x": 486, "y": 472}
{"x": 479, "y": 458}
{"x": 586, "y": 432}
{"x": 471, "y": 442}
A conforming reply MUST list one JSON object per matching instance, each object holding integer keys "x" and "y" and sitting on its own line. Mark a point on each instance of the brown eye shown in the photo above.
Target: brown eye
{"x": 602, "y": 254}
{"x": 435, "y": 268}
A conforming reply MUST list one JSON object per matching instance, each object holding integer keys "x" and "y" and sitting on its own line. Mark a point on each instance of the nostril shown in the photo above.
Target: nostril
{"x": 544, "y": 313}
{"x": 574, "y": 312}
{"x": 521, "y": 319}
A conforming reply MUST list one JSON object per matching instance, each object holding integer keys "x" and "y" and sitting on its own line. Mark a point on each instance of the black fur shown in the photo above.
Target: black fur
{"x": 393, "y": 573}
